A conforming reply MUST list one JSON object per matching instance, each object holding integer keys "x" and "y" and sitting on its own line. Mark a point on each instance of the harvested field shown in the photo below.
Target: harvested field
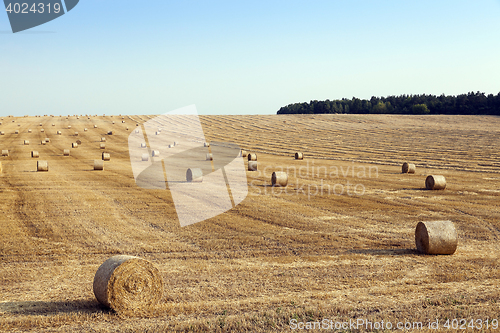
{"x": 295, "y": 252}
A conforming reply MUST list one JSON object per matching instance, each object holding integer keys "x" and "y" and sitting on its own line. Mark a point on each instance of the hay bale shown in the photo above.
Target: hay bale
{"x": 435, "y": 182}
{"x": 106, "y": 157}
{"x": 206, "y": 144}
{"x": 76, "y": 133}
{"x": 103, "y": 139}
{"x": 157, "y": 133}
{"x": 95, "y": 126}
{"x": 47, "y": 140}
{"x": 2, "y": 133}
{"x": 145, "y": 157}
{"x": 170, "y": 146}
{"x": 252, "y": 157}
{"x": 252, "y": 165}
{"x": 176, "y": 143}
{"x": 79, "y": 142}
{"x": 123, "y": 121}
{"x": 279, "y": 178}
{"x": 43, "y": 142}
{"x": 137, "y": 124}
{"x": 74, "y": 145}
{"x": 66, "y": 152}
{"x": 58, "y": 133}
{"x": 42, "y": 130}
{"x": 29, "y": 130}
{"x": 40, "y": 124}
{"x": 16, "y": 132}
{"x": 299, "y": 156}
{"x": 110, "y": 132}
{"x": 69, "y": 126}
{"x": 5, "y": 152}
{"x": 98, "y": 165}
{"x": 209, "y": 157}
{"x": 155, "y": 153}
{"x": 102, "y": 146}
{"x": 194, "y": 175}
{"x": 53, "y": 124}
{"x": 143, "y": 145}
{"x": 436, "y": 237}
{"x": 42, "y": 166}
{"x": 136, "y": 131}
{"x": 26, "y": 142}
{"x": 34, "y": 154}
{"x": 85, "y": 129}
{"x": 408, "y": 168}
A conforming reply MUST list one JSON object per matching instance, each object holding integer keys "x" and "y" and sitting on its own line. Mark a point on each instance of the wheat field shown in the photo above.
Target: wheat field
{"x": 337, "y": 243}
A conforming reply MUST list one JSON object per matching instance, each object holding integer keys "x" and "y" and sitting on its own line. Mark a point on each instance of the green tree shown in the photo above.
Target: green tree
{"x": 420, "y": 109}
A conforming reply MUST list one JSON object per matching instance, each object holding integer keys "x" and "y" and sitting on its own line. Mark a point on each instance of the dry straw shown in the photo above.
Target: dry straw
{"x": 279, "y": 178}
{"x": 128, "y": 284}
{"x": 106, "y": 157}
{"x": 66, "y": 152}
{"x": 34, "y": 154}
{"x": 98, "y": 165}
{"x": 102, "y": 146}
{"x": 42, "y": 166}
{"x": 299, "y": 156}
{"x": 435, "y": 182}
{"x": 5, "y": 152}
{"x": 252, "y": 157}
{"x": 209, "y": 157}
{"x": 194, "y": 175}
{"x": 252, "y": 165}
{"x": 436, "y": 237}
{"x": 408, "y": 168}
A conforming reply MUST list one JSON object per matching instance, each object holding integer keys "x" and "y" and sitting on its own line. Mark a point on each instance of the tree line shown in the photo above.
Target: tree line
{"x": 471, "y": 103}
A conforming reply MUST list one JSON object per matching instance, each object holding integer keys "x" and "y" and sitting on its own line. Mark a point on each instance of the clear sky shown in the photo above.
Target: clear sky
{"x": 245, "y": 57}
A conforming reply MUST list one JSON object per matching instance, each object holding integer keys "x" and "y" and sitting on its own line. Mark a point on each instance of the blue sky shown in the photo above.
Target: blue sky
{"x": 245, "y": 57}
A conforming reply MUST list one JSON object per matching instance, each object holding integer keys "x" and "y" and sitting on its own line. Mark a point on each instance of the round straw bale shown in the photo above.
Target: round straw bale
{"x": 85, "y": 129}
{"x": 176, "y": 143}
{"x": 145, "y": 157}
{"x": 69, "y": 126}
{"x": 137, "y": 124}
{"x": 435, "y": 182}
{"x": 74, "y": 145}
{"x": 43, "y": 142}
{"x": 136, "y": 131}
{"x": 66, "y": 152}
{"x": 170, "y": 146}
{"x": 2, "y": 133}
{"x": 155, "y": 153}
{"x": 157, "y": 133}
{"x": 299, "y": 156}
{"x": 143, "y": 145}
{"x": 42, "y": 166}
{"x": 252, "y": 165}
{"x": 5, "y": 152}
{"x": 16, "y": 132}
{"x": 76, "y": 133}
{"x": 206, "y": 144}
{"x": 102, "y": 146}
{"x": 194, "y": 175}
{"x": 42, "y": 130}
{"x": 103, "y": 139}
{"x": 98, "y": 165}
{"x": 110, "y": 132}
{"x": 34, "y": 154}
{"x": 113, "y": 122}
{"x": 95, "y": 126}
{"x": 47, "y": 140}
{"x": 128, "y": 284}
{"x": 29, "y": 130}
{"x": 79, "y": 142}
{"x": 106, "y": 157}
{"x": 436, "y": 237}
{"x": 58, "y": 132}
{"x": 408, "y": 168}
{"x": 123, "y": 121}
{"x": 26, "y": 142}
{"x": 209, "y": 157}
{"x": 53, "y": 124}
{"x": 40, "y": 124}
{"x": 279, "y": 178}
{"x": 252, "y": 157}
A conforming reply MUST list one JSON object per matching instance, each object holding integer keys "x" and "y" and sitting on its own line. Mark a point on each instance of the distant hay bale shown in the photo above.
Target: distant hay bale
{"x": 106, "y": 157}
{"x": 408, "y": 168}
{"x": 252, "y": 165}
{"x": 436, "y": 237}
{"x": 137, "y": 124}
{"x": 103, "y": 139}
{"x": 206, "y": 144}
{"x": 157, "y": 133}
{"x": 34, "y": 154}
{"x": 98, "y": 165}
{"x": 29, "y": 130}
{"x": 74, "y": 145}
{"x": 76, "y": 133}
{"x": 170, "y": 146}
{"x": 42, "y": 130}
{"x": 42, "y": 166}
{"x": 40, "y": 124}
{"x": 123, "y": 121}
{"x": 110, "y": 132}
{"x": 102, "y": 146}
{"x": 2, "y": 133}
{"x": 47, "y": 140}
{"x": 145, "y": 157}
{"x": 95, "y": 126}
{"x": 435, "y": 182}
{"x": 69, "y": 126}
{"x": 252, "y": 157}
{"x": 16, "y": 132}
{"x": 194, "y": 175}
{"x": 279, "y": 178}
{"x": 66, "y": 152}
{"x": 155, "y": 153}
{"x": 85, "y": 129}
{"x": 113, "y": 122}
{"x": 5, "y": 152}
{"x": 58, "y": 133}
{"x": 43, "y": 142}
{"x": 26, "y": 142}
{"x": 299, "y": 156}
{"x": 209, "y": 157}
{"x": 143, "y": 145}
{"x": 53, "y": 124}
{"x": 176, "y": 143}
{"x": 79, "y": 142}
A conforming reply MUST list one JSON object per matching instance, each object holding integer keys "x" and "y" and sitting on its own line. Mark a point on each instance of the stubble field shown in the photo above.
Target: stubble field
{"x": 337, "y": 243}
